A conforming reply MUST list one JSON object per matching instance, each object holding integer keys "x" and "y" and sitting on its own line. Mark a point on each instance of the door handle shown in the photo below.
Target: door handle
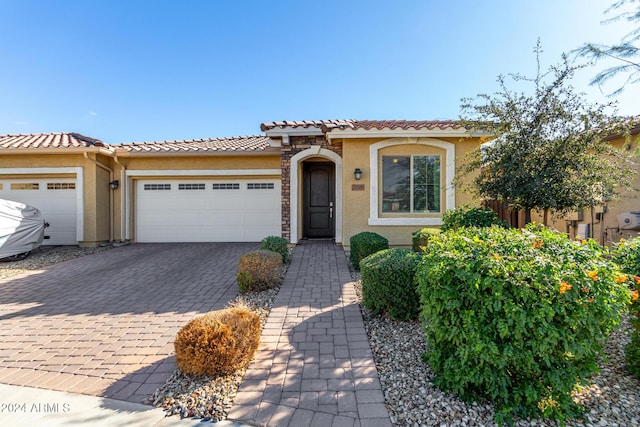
{"x": 330, "y": 209}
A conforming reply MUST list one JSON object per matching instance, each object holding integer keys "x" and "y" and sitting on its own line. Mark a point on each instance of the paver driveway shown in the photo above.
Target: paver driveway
{"x": 104, "y": 324}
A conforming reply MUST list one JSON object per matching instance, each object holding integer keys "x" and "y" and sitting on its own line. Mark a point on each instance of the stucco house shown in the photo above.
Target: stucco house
{"x": 297, "y": 179}
{"x": 306, "y": 179}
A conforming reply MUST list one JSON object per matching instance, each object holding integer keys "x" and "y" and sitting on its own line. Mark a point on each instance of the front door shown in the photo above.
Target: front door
{"x": 319, "y": 199}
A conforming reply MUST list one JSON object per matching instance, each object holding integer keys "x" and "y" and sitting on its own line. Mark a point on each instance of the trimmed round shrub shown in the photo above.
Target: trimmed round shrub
{"x": 518, "y": 317}
{"x": 421, "y": 238}
{"x": 364, "y": 244}
{"x": 465, "y": 216}
{"x": 220, "y": 342}
{"x": 259, "y": 270}
{"x": 276, "y": 244}
{"x": 388, "y": 283}
{"x": 627, "y": 255}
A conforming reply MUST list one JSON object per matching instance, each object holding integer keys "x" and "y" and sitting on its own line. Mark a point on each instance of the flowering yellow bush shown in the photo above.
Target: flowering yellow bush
{"x": 518, "y": 317}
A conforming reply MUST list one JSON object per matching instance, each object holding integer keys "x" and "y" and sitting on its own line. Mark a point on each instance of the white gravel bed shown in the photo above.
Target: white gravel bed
{"x": 45, "y": 256}
{"x": 612, "y": 399}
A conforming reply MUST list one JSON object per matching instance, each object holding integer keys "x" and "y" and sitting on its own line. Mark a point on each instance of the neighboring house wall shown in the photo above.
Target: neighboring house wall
{"x": 97, "y": 205}
{"x": 93, "y": 209}
{"x": 604, "y": 226}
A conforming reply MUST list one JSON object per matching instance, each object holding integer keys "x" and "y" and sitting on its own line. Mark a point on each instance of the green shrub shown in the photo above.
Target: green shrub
{"x": 627, "y": 255}
{"x": 276, "y": 244}
{"x": 632, "y": 350}
{"x": 465, "y": 216}
{"x": 388, "y": 285}
{"x": 364, "y": 244}
{"x": 259, "y": 270}
{"x": 421, "y": 238}
{"x": 517, "y": 317}
{"x": 220, "y": 342}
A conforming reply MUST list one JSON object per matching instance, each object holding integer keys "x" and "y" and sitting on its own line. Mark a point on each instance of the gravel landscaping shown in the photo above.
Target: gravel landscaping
{"x": 210, "y": 398}
{"x": 612, "y": 398}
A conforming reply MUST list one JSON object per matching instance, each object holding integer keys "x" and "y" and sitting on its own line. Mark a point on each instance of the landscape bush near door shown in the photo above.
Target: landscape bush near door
{"x": 517, "y": 317}
{"x": 259, "y": 270}
{"x": 388, "y": 285}
{"x": 276, "y": 244}
{"x": 220, "y": 342}
{"x": 364, "y": 244}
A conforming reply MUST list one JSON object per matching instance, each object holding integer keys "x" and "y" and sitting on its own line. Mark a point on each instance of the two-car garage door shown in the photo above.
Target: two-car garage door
{"x": 205, "y": 210}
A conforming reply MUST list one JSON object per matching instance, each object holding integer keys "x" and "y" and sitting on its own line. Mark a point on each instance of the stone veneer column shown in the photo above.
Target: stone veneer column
{"x": 297, "y": 144}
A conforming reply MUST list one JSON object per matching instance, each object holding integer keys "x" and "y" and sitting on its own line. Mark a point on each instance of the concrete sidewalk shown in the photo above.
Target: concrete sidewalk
{"x": 315, "y": 366}
{"x": 28, "y": 406}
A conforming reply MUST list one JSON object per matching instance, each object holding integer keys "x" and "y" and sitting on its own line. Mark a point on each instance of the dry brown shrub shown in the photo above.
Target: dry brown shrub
{"x": 259, "y": 270}
{"x": 220, "y": 342}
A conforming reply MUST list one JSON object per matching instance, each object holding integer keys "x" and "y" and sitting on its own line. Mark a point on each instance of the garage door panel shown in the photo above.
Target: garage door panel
{"x": 55, "y": 198}
{"x": 207, "y": 210}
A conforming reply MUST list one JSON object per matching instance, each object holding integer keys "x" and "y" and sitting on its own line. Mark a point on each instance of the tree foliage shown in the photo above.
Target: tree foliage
{"x": 626, "y": 53}
{"x": 550, "y": 151}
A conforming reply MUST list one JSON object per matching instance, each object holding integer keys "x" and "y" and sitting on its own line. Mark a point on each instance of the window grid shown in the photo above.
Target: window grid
{"x": 157, "y": 186}
{"x": 233, "y": 186}
{"x": 260, "y": 186}
{"x": 411, "y": 184}
{"x": 25, "y": 186}
{"x": 61, "y": 185}
{"x": 191, "y": 186}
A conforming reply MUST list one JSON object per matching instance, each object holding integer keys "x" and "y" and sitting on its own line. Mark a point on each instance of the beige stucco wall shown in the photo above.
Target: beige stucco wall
{"x": 95, "y": 185}
{"x": 356, "y": 203}
{"x": 604, "y": 229}
{"x": 221, "y": 162}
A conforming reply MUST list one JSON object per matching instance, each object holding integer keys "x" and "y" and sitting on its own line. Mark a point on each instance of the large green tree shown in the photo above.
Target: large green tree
{"x": 549, "y": 150}
{"x": 626, "y": 53}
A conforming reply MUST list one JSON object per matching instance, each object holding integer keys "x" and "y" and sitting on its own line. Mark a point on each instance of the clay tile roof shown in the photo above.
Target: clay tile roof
{"x": 48, "y": 140}
{"x": 329, "y": 125}
{"x": 234, "y": 143}
{"x": 405, "y": 124}
{"x": 305, "y": 124}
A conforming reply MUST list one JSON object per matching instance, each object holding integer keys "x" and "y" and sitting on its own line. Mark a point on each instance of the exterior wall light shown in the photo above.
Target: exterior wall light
{"x": 358, "y": 174}
{"x": 114, "y": 184}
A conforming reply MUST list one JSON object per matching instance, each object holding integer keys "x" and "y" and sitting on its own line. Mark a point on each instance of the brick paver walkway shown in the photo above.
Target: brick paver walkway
{"x": 104, "y": 324}
{"x": 315, "y": 366}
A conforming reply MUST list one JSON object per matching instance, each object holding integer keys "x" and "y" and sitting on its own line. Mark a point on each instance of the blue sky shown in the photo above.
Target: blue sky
{"x": 138, "y": 70}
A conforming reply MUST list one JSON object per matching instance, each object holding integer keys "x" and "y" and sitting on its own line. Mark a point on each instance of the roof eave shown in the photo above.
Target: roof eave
{"x": 395, "y": 133}
{"x": 271, "y": 151}
{"x": 294, "y": 131}
{"x": 59, "y": 150}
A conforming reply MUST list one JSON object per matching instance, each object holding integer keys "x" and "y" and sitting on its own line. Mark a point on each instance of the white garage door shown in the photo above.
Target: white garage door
{"x": 207, "y": 210}
{"x": 56, "y": 199}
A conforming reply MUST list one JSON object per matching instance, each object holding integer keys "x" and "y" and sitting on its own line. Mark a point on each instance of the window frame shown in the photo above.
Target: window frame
{"x": 447, "y": 191}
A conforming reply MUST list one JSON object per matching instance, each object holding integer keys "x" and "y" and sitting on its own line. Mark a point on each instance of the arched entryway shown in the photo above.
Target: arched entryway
{"x": 316, "y": 194}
